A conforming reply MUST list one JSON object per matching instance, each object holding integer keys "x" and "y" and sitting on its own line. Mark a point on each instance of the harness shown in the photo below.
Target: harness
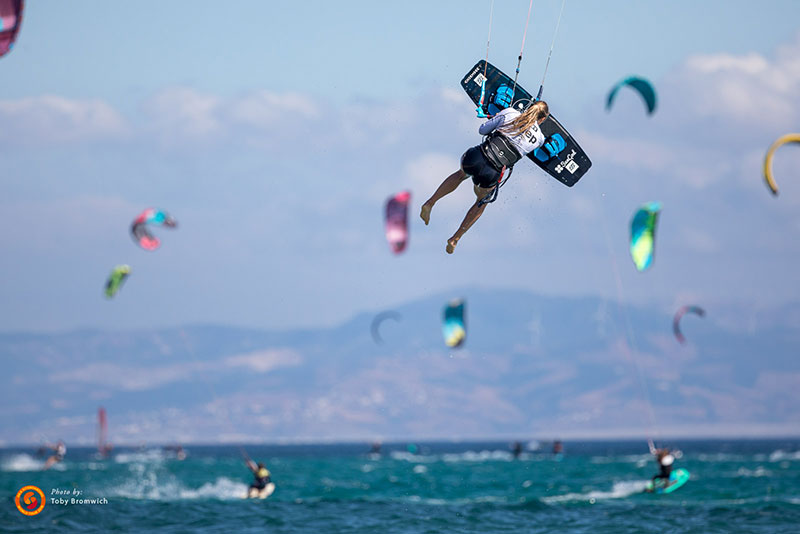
{"x": 499, "y": 151}
{"x": 502, "y": 156}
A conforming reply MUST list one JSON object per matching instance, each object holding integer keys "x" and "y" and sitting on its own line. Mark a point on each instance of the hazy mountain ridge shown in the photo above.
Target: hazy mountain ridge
{"x": 531, "y": 366}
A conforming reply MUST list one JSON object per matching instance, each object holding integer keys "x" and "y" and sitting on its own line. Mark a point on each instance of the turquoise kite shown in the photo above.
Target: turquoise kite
{"x": 454, "y": 327}
{"x": 641, "y": 85}
{"x": 643, "y": 235}
{"x": 116, "y": 279}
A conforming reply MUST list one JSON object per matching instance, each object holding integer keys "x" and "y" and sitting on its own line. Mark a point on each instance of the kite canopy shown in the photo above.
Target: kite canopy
{"x": 397, "y": 221}
{"x": 141, "y": 234}
{"x": 10, "y": 20}
{"x": 782, "y": 140}
{"x": 116, "y": 279}
{"x": 378, "y": 320}
{"x": 643, "y": 235}
{"x": 454, "y": 327}
{"x": 642, "y": 86}
{"x": 676, "y": 329}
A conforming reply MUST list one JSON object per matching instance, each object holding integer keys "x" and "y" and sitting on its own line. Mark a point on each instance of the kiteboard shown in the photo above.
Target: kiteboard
{"x": 253, "y": 493}
{"x": 569, "y": 163}
{"x": 677, "y": 478}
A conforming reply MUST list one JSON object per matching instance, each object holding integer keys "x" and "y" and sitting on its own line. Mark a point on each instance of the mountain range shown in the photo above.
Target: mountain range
{"x": 533, "y": 366}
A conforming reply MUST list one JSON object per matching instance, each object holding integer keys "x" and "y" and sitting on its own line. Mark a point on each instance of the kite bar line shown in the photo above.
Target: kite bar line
{"x": 547, "y": 64}
{"x": 522, "y": 48}
{"x": 211, "y": 390}
{"x": 489, "y": 38}
{"x": 480, "y": 111}
{"x": 630, "y": 341}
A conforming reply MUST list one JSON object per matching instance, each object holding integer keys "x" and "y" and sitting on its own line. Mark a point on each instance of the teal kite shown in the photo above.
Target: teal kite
{"x": 116, "y": 279}
{"x": 643, "y": 235}
{"x": 642, "y": 86}
{"x": 454, "y": 327}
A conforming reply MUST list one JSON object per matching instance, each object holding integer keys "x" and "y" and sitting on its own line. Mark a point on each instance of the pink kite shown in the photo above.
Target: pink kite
{"x": 397, "y": 221}
{"x": 10, "y": 20}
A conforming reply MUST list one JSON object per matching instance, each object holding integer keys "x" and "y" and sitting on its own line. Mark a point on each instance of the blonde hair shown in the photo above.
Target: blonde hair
{"x": 532, "y": 115}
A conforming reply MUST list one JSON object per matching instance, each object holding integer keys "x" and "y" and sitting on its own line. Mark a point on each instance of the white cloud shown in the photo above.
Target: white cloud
{"x": 184, "y": 113}
{"x": 56, "y": 119}
{"x": 266, "y": 110}
{"x": 751, "y": 63}
{"x": 748, "y": 91}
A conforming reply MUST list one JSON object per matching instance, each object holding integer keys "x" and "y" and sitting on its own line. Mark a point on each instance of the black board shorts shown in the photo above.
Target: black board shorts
{"x": 474, "y": 163}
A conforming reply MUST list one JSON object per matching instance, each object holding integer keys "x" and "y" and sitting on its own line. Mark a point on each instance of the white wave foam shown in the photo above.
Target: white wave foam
{"x": 482, "y": 456}
{"x": 468, "y": 456}
{"x": 619, "y": 490}
{"x": 408, "y": 457}
{"x": 96, "y": 466}
{"x": 638, "y": 459}
{"x": 720, "y": 457}
{"x": 450, "y": 502}
{"x": 781, "y": 455}
{"x": 21, "y": 462}
{"x": 223, "y": 488}
{"x": 753, "y": 473}
{"x": 150, "y": 488}
{"x": 146, "y": 456}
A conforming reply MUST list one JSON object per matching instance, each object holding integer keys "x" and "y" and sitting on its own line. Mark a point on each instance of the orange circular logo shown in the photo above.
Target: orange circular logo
{"x": 30, "y": 500}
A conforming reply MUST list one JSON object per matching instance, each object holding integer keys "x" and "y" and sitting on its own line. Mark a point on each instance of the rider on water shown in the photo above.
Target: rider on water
{"x": 59, "y": 451}
{"x": 261, "y": 474}
{"x": 512, "y": 135}
{"x": 665, "y": 460}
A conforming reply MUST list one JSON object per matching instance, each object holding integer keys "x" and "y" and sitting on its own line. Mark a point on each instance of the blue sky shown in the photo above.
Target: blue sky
{"x": 275, "y": 132}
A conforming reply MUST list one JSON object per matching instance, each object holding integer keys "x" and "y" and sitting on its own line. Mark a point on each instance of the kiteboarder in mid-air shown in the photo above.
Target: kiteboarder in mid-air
{"x": 511, "y": 135}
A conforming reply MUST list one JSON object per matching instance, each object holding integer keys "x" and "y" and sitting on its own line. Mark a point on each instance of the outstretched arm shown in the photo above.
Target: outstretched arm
{"x": 490, "y": 125}
{"x": 251, "y": 465}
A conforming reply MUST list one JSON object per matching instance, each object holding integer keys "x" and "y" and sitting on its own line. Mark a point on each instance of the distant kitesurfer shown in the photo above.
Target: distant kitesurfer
{"x": 59, "y": 451}
{"x": 511, "y": 135}
{"x": 665, "y": 460}
{"x": 263, "y": 480}
{"x": 558, "y": 447}
{"x": 516, "y": 449}
{"x": 180, "y": 454}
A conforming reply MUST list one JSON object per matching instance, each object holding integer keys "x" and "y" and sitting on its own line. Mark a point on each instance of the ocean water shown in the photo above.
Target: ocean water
{"x": 595, "y": 487}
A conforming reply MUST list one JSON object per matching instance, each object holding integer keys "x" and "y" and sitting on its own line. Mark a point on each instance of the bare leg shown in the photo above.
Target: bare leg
{"x": 472, "y": 215}
{"x": 448, "y": 186}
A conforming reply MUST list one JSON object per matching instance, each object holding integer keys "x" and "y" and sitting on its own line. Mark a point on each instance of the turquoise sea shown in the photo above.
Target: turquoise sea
{"x": 737, "y": 486}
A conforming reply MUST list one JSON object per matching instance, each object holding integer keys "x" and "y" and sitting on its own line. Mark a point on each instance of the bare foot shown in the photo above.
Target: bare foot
{"x": 451, "y": 245}
{"x": 425, "y": 213}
